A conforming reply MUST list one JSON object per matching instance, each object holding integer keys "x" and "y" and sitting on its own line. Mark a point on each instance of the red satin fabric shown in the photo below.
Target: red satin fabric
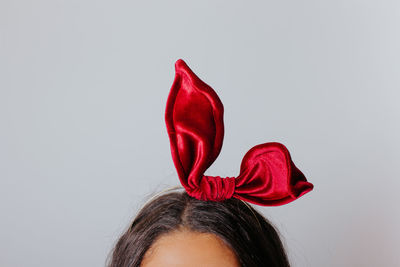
{"x": 194, "y": 119}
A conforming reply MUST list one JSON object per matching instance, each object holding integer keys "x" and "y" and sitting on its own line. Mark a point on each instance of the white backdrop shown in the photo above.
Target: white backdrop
{"x": 83, "y": 144}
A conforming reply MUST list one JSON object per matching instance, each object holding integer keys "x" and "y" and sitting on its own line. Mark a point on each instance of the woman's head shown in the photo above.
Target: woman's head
{"x": 205, "y": 233}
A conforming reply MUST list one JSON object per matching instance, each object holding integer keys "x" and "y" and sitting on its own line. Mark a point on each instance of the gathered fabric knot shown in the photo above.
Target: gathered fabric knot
{"x": 216, "y": 188}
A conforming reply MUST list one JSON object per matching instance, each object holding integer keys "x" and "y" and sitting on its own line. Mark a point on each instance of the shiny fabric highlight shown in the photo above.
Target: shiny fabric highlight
{"x": 194, "y": 120}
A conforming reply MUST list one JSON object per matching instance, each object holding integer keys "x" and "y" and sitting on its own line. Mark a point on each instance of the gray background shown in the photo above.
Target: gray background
{"x": 83, "y": 142}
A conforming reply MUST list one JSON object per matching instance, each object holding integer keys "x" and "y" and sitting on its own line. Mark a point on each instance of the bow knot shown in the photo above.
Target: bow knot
{"x": 215, "y": 188}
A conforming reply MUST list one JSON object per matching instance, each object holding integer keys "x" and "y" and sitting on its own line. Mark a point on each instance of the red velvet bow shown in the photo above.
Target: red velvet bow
{"x": 194, "y": 118}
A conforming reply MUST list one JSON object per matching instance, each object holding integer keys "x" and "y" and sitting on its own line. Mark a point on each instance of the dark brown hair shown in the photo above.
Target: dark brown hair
{"x": 252, "y": 238}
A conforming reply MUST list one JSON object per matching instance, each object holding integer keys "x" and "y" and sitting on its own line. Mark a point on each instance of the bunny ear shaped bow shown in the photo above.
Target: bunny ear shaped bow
{"x": 194, "y": 118}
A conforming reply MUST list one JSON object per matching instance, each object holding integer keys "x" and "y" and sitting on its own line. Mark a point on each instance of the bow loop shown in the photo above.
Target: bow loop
{"x": 194, "y": 118}
{"x": 269, "y": 177}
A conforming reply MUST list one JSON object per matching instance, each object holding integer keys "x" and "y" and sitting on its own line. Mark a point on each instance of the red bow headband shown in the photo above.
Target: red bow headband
{"x": 194, "y": 118}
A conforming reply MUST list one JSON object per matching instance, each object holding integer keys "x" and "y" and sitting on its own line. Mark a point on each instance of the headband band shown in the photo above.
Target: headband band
{"x": 194, "y": 120}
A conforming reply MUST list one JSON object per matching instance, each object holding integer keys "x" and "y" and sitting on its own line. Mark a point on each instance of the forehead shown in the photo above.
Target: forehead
{"x": 187, "y": 248}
